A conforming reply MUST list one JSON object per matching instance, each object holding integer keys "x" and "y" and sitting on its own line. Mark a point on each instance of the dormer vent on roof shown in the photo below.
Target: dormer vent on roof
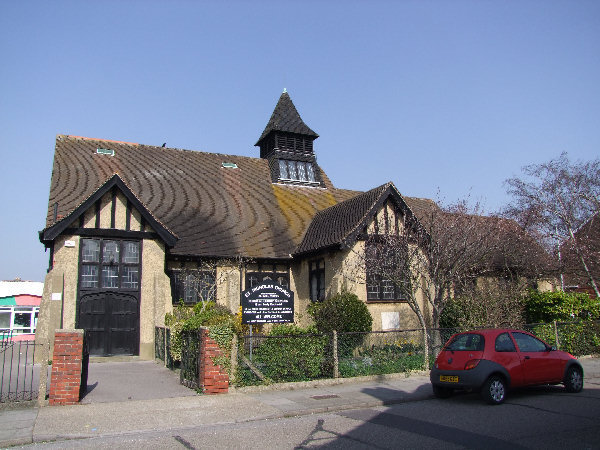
{"x": 105, "y": 151}
{"x": 287, "y": 143}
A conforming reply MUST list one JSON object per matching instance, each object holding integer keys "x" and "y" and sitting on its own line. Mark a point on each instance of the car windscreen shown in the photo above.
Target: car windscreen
{"x": 468, "y": 342}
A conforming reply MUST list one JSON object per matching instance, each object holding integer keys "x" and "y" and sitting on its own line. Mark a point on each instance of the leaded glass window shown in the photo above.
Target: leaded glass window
{"x": 268, "y": 274}
{"x": 283, "y": 171}
{"x": 131, "y": 252}
{"x": 90, "y": 251}
{"x": 110, "y": 276}
{"x": 296, "y": 170}
{"x": 109, "y": 264}
{"x": 193, "y": 286}
{"x": 316, "y": 274}
{"x": 130, "y": 277}
{"x": 110, "y": 252}
{"x": 310, "y": 172}
{"x": 89, "y": 276}
{"x": 380, "y": 286}
{"x": 302, "y": 171}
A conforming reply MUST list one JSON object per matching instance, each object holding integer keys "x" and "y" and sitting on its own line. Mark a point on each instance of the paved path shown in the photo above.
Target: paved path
{"x": 115, "y": 418}
{"x": 115, "y": 381}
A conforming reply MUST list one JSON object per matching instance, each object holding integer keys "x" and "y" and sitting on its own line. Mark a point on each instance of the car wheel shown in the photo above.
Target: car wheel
{"x": 441, "y": 392}
{"x": 574, "y": 379}
{"x": 494, "y": 390}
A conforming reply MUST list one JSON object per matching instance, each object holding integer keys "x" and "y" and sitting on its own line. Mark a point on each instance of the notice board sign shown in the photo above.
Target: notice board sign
{"x": 267, "y": 303}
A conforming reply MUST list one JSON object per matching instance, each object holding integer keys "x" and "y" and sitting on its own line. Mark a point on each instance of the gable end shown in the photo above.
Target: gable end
{"x": 113, "y": 184}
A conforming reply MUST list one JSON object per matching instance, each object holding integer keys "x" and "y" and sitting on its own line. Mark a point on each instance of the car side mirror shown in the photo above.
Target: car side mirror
{"x": 553, "y": 348}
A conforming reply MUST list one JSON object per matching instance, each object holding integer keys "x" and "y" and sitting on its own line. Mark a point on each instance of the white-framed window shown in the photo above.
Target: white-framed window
{"x": 19, "y": 319}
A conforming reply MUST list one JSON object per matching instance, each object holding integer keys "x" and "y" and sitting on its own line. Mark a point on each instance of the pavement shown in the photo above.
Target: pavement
{"x": 127, "y": 397}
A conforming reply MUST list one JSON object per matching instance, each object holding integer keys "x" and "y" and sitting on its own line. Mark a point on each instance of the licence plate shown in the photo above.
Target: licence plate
{"x": 449, "y": 378}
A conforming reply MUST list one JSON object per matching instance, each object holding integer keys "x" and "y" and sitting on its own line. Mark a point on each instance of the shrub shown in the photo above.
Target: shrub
{"x": 207, "y": 314}
{"x": 217, "y": 318}
{"x": 541, "y": 307}
{"x": 490, "y": 303}
{"x": 343, "y": 312}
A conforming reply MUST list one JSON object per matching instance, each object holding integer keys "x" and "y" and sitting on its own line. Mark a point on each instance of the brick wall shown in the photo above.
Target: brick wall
{"x": 67, "y": 360}
{"x": 212, "y": 377}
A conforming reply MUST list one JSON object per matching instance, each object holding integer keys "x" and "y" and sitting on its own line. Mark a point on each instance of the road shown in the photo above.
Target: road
{"x": 544, "y": 417}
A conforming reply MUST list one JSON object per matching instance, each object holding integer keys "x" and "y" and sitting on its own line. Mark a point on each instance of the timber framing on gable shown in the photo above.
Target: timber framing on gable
{"x": 113, "y": 185}
{"x": 340, "y": 225}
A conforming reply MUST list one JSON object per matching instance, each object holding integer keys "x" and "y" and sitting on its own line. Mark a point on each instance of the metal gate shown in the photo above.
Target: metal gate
{"x": 19, "y": 376}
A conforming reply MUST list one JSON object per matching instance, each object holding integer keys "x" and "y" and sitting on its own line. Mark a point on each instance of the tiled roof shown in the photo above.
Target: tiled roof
{"x": 285, "y": 117}
{"x": 340, "y": 223}
{"x": 215, "y": 211}
{"x": 333, "y": 225}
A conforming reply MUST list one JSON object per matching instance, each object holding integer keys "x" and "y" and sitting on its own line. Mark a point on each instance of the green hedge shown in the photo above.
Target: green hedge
{"x": 546, "y": 307}
{"x": 289, "y": 353}
{"x": 578, "y": 338}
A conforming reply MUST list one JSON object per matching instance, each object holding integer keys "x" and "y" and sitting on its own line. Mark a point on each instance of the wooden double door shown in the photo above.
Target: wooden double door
{"x": 111, "y": 320}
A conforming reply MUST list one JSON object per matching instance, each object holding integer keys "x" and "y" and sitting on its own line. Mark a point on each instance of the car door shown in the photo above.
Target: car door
{"x": 505, "y": 354}
{"x": 537, "y": 360}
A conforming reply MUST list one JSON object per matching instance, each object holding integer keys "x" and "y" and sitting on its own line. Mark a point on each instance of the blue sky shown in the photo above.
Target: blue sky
{"x": 445, "y": 98}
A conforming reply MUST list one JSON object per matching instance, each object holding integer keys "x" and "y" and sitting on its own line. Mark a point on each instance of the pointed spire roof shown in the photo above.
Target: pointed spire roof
{"x": 285, "y": 118}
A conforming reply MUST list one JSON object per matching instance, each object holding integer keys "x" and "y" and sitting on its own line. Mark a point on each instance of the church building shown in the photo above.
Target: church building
{"x": 132, "y": 230}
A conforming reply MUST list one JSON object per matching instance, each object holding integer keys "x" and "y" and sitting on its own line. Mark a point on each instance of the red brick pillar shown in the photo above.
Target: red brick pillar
{"x": 65, "y": 380}
{"x": 213, "y": 377}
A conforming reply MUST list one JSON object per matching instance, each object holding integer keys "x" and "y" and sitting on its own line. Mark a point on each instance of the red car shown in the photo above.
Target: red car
{"x": 492, "y": 361}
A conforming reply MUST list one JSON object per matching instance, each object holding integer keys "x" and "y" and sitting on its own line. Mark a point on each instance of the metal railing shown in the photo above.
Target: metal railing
{"x": 162, "y": 346}
{"x": 189, "y": 374}
{"x": 19, "y": 377}
{"x": 5, "y": 337}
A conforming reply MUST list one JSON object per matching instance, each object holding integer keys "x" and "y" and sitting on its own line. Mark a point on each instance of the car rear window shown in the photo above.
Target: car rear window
{"x": 468, "y": 342}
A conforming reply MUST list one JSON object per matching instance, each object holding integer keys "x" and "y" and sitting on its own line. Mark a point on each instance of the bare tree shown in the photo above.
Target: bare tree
{"x": 554, "y": 199}
{"x": 429, "y": 257}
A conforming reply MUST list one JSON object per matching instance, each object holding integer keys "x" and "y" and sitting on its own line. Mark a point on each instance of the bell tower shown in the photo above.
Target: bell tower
{"x": 287, "y": 143}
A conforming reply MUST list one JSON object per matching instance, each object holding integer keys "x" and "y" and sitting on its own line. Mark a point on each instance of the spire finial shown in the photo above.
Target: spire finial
{"x": 284, "y": 90}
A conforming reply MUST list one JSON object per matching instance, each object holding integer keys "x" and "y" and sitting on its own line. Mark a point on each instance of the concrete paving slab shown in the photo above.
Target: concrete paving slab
{"x": 127, "y": 380}
{"x": 16, "y": 426}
